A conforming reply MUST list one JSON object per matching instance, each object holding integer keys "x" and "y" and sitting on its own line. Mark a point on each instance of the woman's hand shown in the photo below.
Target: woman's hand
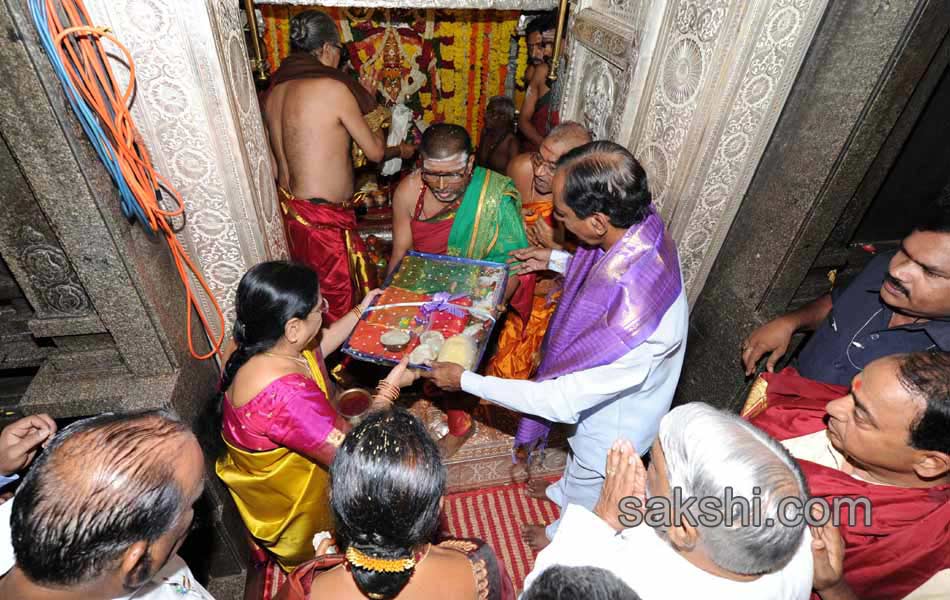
{"x": 325, "y": 545}
{"x": 399, "y": 376}
{"x": 333, "y": 336}
{"x": 402, "y": 376}
{"x": 370, "y": 297}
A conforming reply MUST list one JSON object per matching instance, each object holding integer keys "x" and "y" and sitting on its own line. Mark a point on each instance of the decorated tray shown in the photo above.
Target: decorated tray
{"x": 433, "y": 307}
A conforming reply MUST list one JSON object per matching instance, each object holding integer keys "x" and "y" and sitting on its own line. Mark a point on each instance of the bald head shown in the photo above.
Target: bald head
{"x": 102, "y": 485}
{"x": 562, "y": 139}
{"x": 569, "y": 135}
{"x": 443, "y": 140}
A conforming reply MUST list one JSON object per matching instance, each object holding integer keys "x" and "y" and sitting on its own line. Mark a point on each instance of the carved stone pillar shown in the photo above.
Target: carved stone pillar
{"x": 693, "y": 88}
{"x": 105, "y": 303}
{"x": 197, "y": 109}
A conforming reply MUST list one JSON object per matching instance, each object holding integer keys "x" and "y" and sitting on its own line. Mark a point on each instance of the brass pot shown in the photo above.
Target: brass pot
{"x": 353, "y": 404}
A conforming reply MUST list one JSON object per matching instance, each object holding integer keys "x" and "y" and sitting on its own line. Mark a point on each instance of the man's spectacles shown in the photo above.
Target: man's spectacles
{"x": 538, "y": 162}
{"x": 451, "y": 178}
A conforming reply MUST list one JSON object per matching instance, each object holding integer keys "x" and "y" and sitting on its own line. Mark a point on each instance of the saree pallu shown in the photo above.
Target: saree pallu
{"x": 282, "y": 496}
{"x": 488, "y": 224}
{"x": 323, "y": 236}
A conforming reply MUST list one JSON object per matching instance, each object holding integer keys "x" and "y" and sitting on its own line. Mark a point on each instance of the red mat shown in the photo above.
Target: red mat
{"x": 496, "y": 516}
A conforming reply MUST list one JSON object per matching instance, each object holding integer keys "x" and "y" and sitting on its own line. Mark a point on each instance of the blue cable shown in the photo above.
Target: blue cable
{"x": 89, "y": 121}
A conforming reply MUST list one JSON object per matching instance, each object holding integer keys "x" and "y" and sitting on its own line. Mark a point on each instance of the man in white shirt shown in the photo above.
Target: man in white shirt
{"x": 102, "y": 513}
{"x": 688, "y": 550}
{"x": 613, "y": 352}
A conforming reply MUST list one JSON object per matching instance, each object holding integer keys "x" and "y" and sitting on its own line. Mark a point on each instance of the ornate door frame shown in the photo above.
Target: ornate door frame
{"x": 694, "y": 88}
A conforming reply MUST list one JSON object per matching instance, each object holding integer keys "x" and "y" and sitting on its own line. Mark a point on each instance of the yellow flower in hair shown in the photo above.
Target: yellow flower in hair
{"x": 380, "y": 565}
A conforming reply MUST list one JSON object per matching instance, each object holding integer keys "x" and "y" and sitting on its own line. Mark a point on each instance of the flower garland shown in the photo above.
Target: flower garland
{"x": 463, "y": 54}
{"x": 520, "y": 83}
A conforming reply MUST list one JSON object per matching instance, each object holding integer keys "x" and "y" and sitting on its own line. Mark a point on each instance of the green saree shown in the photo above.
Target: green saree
{"x": 488, "y": 224}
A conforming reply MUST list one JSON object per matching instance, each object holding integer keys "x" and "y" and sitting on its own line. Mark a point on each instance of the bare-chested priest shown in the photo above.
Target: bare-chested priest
{"x": 314, "y": 112}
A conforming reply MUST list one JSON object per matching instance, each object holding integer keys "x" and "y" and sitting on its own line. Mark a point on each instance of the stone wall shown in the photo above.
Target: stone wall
{"x": 863, "y": 84}
{"x": 693, "y": 88}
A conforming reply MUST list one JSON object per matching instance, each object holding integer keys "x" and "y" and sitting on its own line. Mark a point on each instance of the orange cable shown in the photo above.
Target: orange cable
{"x": 89, "y": 68}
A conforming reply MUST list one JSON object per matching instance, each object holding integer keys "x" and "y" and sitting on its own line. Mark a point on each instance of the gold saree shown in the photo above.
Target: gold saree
{"x": 282, "y": 496}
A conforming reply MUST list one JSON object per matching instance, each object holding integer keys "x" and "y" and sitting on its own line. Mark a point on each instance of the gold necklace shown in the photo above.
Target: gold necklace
{"x": 298, "y": 359}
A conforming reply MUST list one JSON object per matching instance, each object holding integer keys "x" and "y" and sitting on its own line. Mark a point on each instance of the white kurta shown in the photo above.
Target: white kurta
{"x": 622, "y": 399}
{"x": 653, "y": 569}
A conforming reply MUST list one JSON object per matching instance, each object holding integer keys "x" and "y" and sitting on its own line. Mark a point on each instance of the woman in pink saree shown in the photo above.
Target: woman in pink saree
{"x": 278, "y": 430}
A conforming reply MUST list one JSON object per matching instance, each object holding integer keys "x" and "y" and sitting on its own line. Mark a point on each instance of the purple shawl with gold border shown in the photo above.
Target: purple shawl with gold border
{"x": 612, "y": 301}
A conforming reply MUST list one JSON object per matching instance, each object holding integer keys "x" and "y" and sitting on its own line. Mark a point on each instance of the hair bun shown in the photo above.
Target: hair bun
{"x": 297, "y": 32}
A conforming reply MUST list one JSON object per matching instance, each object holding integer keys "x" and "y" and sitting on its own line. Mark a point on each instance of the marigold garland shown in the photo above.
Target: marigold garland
{"x": 462, "y": 53}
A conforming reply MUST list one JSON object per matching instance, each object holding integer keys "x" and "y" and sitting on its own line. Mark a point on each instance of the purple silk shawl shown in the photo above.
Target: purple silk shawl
{"x": 612, "y": 302}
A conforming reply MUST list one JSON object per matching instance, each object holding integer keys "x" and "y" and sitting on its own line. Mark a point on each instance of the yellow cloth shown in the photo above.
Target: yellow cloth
{"x": 281, "y": 495}
{"x": 518, "y": 352}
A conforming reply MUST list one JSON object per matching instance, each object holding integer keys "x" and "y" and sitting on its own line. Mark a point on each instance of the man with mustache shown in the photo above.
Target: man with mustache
{"x": 899, "y": 303}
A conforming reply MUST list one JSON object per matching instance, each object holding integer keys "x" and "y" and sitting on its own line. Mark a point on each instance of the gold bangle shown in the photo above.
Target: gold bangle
{"x": 388, "y": 390}
{"x": 356, "y": 310}
{"x": 392, "y": 394}
{"x": 379, "y": 398}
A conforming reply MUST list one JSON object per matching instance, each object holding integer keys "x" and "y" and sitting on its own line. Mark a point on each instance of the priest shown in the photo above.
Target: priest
{"x": 315, "y": 115}
{"x": 452, "y": 207}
